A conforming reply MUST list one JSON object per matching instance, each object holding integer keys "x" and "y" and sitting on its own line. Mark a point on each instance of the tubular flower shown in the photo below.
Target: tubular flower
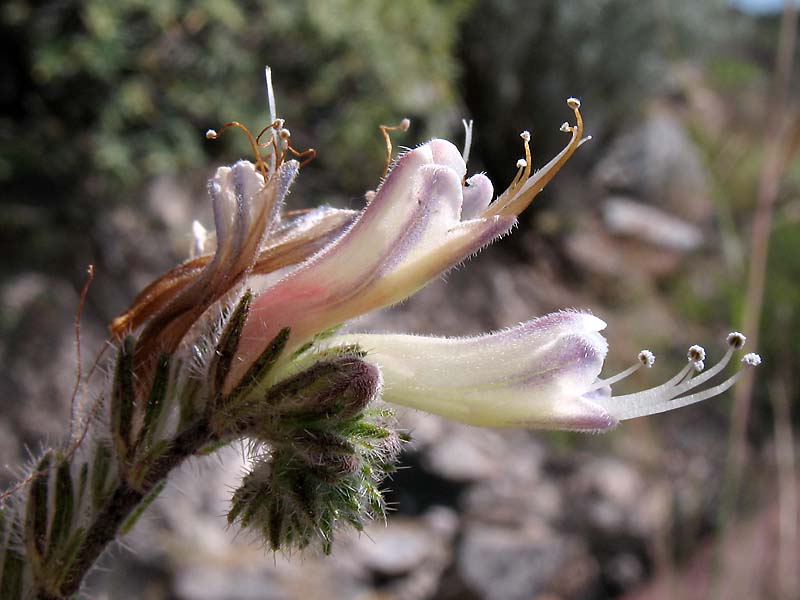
{"x": 424, "y": 219}
{"x": 544, "y": 373}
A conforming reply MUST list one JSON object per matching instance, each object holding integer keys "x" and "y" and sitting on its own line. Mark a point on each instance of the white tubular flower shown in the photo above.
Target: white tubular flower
{"x": 422, "y": 221}
{"x": 542, "y": 374}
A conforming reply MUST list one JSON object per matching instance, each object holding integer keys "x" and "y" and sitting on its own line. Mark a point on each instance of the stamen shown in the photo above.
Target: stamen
{"x": 385, "y": 129}
{"x": 670, "y": 394}
{"x": 644, "y": 359}
{"x": 516, "y": 198}
{"x": 522, "y": 163}
{"x": 467, "y": 139}
{"x": 749, "y": 360}
{"x": 212, "y": 134}
{"x": 306, "y": 156}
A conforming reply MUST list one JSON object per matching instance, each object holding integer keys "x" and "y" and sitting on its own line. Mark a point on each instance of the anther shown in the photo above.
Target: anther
{"x": 522, "y": 163}
{"x": 696, "y": 353}
{"x": 211, "y": 134}
{"x": 736, "y": 339}
{"x": 647, "y": 358}
{"x": 565, "y": 127}
{"x": 573, "y": 103}
{"x": 525, "y": 135}
{"x": 752, "y": 359}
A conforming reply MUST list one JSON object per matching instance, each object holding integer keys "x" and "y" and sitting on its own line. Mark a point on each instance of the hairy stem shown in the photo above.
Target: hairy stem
{"x": 124, "y": 500}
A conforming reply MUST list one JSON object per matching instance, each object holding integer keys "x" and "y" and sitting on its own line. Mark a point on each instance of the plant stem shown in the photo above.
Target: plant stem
{"x": 124, "y": 500}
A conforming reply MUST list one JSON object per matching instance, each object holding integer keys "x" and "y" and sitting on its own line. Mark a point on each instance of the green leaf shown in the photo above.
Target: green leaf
{"x": 101, "y": 467}
{"x": 258, "y": 371}
{"x": 64, "y": 508}
{"x": 13, "y": 575}
{"x": 155, "y": 401}
{"x": 227, "y": 346}
{"x": 36, "y": 512}
{"x": 122, "y": 399}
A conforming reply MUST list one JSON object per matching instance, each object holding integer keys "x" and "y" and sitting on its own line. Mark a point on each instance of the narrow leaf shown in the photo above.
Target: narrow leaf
{"x": 101, "y": 466}
{"x": 36, "y": 510}
{"x": 228, "y": 343}
{"x": 143, "y": 505}
{"x": 155, "y": 401}
{"x": 259, "y": 370}
{"x": 122, "y": 399}
{"x": 64, "y": 508}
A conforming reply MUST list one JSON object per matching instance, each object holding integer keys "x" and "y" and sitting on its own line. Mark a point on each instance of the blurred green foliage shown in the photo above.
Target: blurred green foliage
{"x": 98, "y": 97}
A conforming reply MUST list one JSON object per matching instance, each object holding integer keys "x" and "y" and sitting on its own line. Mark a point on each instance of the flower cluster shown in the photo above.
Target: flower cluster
{"x": 240, "y": 343}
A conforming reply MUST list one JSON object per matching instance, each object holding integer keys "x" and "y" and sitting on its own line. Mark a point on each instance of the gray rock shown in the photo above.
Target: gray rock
{"x": 499, "y": 563}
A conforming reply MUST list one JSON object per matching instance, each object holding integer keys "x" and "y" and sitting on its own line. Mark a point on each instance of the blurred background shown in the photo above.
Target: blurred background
{"x": 679, "y": 222}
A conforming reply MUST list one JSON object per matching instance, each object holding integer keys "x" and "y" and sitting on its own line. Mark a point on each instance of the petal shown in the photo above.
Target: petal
{"x": 533, "y": 375}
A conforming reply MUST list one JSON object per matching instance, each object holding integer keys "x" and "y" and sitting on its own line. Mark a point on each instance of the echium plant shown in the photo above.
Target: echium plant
{"x": 241, "y": 344}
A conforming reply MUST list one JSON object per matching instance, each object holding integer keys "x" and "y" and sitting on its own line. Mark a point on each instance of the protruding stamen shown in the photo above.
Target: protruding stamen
{"x": 517, "y": 197}
{"x": 385, "y": 129}
{"x": 212, "y": 134}
{"x": 644, "y": 359}
{"x": 670, "y": 395}
{"x": 467, "y": 139}
{"x": 748, "y": 360}
{"x": 522, "y": 163}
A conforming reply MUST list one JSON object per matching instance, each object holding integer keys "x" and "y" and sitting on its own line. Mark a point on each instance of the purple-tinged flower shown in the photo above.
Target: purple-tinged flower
{"x": 544, "y": 373}
{"x": 424, "y": 219}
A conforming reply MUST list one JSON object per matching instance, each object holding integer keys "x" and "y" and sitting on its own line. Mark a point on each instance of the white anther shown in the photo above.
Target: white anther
{"x": 736, "y": 339}
{"x": 647, "y": 358}
{"x": 285, "y": 134}
{"x": 405, "y": 124}
{"x": 752, "y": 359}
{"x": 211, "y": 134}
{"x": 573, "y": 103}
{"x": 699, "y": 365}
{"x": 522, "y": 163}
{"x": 696, "y": 353}
{"x": 565, "y": 127}
{"x": 525, "y": 135}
